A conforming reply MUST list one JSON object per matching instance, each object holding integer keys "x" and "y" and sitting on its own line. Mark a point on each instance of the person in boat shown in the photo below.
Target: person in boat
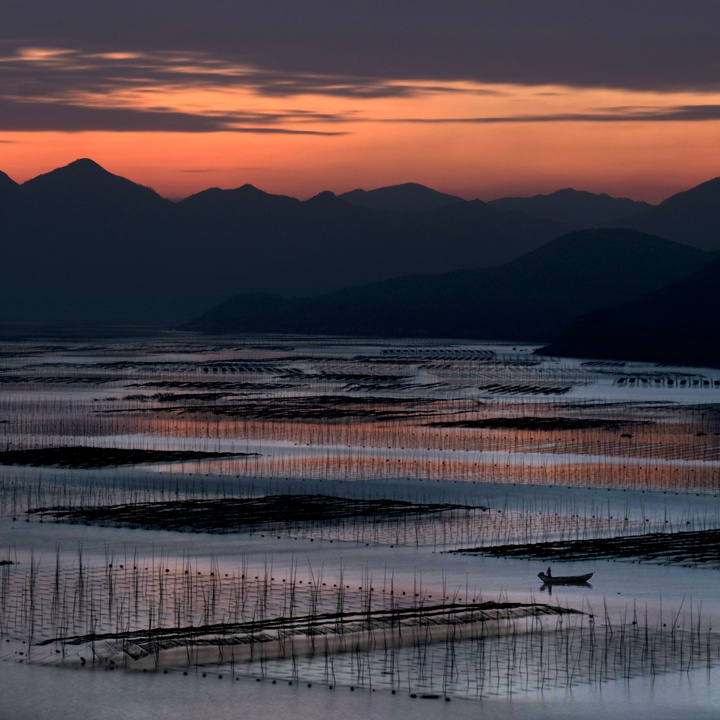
{"x": 549, "y": 572}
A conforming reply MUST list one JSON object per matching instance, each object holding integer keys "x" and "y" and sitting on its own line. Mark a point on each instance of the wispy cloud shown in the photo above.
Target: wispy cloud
{"x": 647, "y": 45}
{"x": 683, "y": 113}
{"x": 54, "y": 116}
{"x": 70, "y": 90}
{"x": 50, "y": 72}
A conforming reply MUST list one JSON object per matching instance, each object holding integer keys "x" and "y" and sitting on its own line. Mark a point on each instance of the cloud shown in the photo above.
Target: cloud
{"x": 175, "y": 66}
{"x": 53, "y": 72}
{"x": 631, "y": 44}
{"x": 684, "y": 113}
{"x": 52, "y": 116}
{"x": 71, "y": 90}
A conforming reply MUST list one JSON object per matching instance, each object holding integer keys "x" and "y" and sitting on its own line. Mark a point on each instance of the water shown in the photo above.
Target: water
{"x": 551, "y": 449}
{"x": 40, "y": 693}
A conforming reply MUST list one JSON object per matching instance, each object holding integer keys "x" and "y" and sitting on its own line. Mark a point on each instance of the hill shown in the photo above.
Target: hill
{"x": 691, "y": 217}
{"x": 408, "y": 197}
{"x": 7, "y": 184}
{"x": 82, "y": 244}
{"x": 82, "y": 185}
{"x": 531, "y": 298}
{"x": 269, "y": 243}
{"x": 678, "y": 324}
{"x": 576, "y": 208}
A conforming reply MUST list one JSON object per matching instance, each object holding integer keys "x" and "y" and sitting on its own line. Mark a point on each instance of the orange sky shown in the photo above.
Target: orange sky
{"x": 469, "y": 139}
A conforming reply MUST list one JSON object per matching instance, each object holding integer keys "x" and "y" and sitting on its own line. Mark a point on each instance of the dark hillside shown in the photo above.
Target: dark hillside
{"x": 84, "y": 245}
{"x": 576, "y": 208}
{"x": 531, "y": 298}
{"x": 408, "y": 197}
{"x": 692, "y": 217}
{"x": 678, "y": 324}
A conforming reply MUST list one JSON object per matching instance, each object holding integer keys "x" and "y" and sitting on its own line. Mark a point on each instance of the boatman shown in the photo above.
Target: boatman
{"x": 549, "y": 572}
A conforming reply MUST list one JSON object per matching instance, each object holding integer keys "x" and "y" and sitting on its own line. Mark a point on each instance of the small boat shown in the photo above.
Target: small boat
{"x": 565, "y": 580}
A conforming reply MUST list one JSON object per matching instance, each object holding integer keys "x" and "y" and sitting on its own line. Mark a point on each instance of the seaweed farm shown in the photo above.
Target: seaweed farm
{"x": 299, "y": 515}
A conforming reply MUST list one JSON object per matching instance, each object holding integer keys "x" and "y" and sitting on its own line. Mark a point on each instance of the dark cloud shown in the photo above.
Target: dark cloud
{"x": 45, "y": 116}
{"x": 95, "y": 52}
{"x": 681, "y": 113}
{"x": 72, "y": 91}
{"x": 635, "y": 44}
{"x": 53, "y": 72}
{"x": 68, "y": 90}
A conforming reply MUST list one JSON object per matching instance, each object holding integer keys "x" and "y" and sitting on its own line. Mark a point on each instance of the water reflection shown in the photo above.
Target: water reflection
{"x": 548, "y": 587}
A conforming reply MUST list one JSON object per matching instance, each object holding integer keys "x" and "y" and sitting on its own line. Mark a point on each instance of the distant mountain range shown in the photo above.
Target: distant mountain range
{"x": 679, "y": 324}
{"x": 575, "y": 208}
{"x": 408, "y": 197}
{"x": 7, "y": 184}
{"x": 532, "y": 298}
{"x": 691, "y": 217}
{"x": 81, "y": 244}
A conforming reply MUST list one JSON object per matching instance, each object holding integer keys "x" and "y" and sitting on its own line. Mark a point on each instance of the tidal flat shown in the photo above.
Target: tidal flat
{"x": 298, "y": 519}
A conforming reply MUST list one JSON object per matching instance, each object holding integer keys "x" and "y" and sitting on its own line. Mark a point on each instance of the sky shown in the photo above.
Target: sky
{"x": 479, "y": 98}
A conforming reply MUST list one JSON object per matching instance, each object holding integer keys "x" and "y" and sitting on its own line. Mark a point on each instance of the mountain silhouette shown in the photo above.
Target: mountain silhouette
{"x": 408, "y": 197}
{"x": 531, "y": 298}
{"x": 83, "y": 244}
{"x": 576, "y": 208}
{"x": 678, "y": 324}
{"x": 7, "y": 185}
{"x": 83, "y": 179}
{"x": 270, "y": 243}
{"x": 691, "y": 217}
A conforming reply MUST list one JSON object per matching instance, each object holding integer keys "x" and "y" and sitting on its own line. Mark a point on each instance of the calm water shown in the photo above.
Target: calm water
{"x": 552, "y": 449}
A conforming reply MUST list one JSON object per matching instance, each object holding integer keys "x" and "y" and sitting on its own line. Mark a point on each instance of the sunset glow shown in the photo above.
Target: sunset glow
{"x": 343, "y": 347}
{"x": 181, "y": 122}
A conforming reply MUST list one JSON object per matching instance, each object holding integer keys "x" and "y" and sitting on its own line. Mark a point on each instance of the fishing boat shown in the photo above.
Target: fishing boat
{"x": 565, "y": 580}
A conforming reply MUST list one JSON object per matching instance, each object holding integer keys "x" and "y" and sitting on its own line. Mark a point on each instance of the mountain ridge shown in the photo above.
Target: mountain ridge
{"x": 691, "y": 216}
{"x": 7, "y": 184}
{"x": 530, "y": 298}
{"x": 577, "y": 208}
{"x": 405, "y": 197}
{"x": 677, "y": 324}
{"x": 83, "y": 243}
